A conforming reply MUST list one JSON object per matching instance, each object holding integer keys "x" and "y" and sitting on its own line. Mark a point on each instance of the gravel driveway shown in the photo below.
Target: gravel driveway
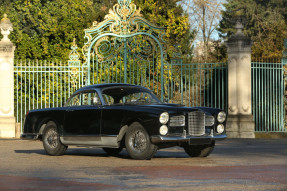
{"x": 235, "y": 164}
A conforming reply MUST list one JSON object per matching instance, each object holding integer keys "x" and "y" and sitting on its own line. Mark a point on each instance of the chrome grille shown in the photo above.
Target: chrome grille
{"x": 176, "y": 121}
{"x": 196, "y": 123}
{"x": 209, "y": 120}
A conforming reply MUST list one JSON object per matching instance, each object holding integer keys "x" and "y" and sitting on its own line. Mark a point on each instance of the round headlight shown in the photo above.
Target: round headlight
{"x": 221, "y": 117}
{"x": 220, "y": 128}
{"x": 163, "y": 119}
{"x": 163, "y": 130}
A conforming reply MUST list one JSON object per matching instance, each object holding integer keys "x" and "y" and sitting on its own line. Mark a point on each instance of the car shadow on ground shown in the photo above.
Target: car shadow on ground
{"x": 97, "y": 152}
{"x": 36, "y": 151}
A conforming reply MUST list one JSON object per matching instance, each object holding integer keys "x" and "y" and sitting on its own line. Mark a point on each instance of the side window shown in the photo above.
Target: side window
{"x": 91, "y": 98}
{"x": 74, "y": 101}
{"x": 109, "y": 100}
{"x": 141, "y": 97}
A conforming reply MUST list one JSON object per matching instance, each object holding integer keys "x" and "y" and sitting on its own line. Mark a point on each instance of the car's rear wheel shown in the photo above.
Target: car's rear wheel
{"x": 199, "y": 150}
{"x": 51, "y": 140}
{"x": 113, "y": 151}
{"x": 138, "y": 143}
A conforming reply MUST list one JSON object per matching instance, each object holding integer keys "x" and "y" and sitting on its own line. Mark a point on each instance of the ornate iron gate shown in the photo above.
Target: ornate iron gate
{"x": 125, "y": 48}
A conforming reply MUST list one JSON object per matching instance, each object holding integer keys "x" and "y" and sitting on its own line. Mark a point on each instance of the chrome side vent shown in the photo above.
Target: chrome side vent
{"x": 209, "y": 120}
{"x": 196, "y": 123}
{"x": 177, "y": 121}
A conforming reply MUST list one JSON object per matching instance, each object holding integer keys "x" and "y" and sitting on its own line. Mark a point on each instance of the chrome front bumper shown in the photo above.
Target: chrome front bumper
{"x": 189, "y": 139}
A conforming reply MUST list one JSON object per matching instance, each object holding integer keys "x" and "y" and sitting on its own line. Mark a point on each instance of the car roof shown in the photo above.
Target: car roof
{"x": 103, "y": 86}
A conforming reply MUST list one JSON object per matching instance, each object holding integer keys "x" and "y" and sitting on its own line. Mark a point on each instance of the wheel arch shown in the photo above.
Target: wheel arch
{"x": 125, "y": 126}
{"x": 42, "y": 123}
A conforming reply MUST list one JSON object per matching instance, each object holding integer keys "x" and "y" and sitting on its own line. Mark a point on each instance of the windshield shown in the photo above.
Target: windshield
{"x": 129, "y": 96}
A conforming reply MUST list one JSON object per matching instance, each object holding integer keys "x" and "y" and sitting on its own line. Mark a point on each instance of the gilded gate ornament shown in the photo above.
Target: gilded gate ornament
{"x": 125, "y": 39}
{"x": 124, "y": 20}
{"x": 74, "y": 64}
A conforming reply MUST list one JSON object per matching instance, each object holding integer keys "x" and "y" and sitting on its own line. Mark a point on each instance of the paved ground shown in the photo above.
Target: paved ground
{"x": 235, "y": 164}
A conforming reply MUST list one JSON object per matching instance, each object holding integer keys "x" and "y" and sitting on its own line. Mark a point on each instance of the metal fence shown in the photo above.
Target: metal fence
{"x": 42, "y": 84}
{"x": 45, "y": 84}
{"x": 190, "y": 84}
{"x": 197, "y": 84}
{"x": 268, "y": 89}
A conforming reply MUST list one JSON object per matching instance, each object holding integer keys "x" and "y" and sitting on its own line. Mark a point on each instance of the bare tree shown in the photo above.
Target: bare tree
{"x": 204, "y": 16}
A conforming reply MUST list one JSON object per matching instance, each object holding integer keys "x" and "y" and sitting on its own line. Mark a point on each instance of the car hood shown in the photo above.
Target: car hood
{"x": 173, "y": 108}
{"x": 178, "y": 108}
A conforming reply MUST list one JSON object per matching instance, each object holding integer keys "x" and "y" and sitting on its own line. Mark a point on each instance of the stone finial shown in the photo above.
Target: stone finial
{"x": 6, "y": 27}
{"x": 238, "y": 41}
{"x": 239, "y": 26}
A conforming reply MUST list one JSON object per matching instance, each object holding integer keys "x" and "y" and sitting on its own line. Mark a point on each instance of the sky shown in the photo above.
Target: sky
{"x": 214, "y": 35}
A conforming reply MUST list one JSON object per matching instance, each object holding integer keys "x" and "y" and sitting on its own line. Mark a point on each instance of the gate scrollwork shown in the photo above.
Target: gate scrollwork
{"x": 125, "y": 40}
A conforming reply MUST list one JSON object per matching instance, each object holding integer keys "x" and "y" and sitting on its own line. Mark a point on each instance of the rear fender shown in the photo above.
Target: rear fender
{"x": 43, "y": 123}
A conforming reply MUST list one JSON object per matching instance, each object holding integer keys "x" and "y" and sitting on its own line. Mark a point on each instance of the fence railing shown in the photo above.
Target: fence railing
{"x": 198, "y": 84}
{"x": 41, "y": 84}
{"x": 44, "y": 84}
{"x": 268, "y": 89}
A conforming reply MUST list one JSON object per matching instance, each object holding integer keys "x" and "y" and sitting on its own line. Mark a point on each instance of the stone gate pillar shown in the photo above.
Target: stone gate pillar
{"x": 7, "y": 119}
{"x": 240, "y": 123}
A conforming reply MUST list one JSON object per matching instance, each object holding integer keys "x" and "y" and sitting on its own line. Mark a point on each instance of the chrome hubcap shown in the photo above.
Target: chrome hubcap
{"x": 138, "y": 141}
{"x": 52, "y": 138}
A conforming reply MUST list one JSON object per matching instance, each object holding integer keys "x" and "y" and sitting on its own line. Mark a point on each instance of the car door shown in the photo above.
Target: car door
{"x": 83, "y": 119}
{"x": 112, "y": 117}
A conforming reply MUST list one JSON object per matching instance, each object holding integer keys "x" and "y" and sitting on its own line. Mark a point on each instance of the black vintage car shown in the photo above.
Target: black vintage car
{"x": 117, "y": 116}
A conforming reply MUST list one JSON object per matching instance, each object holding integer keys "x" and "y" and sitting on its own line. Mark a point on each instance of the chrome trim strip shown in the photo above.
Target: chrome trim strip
{"x": 107, "y": 141}
{"x": 177, "y": 121}
{"x": 209, "y": 120}
{"x": 162, "y": 139}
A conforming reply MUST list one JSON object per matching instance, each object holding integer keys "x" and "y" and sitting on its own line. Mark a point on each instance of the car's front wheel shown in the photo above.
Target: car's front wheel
{"x": 51, "y": 140}
{"x": 199, "y": 150}
{"x": 138, "y": 143}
